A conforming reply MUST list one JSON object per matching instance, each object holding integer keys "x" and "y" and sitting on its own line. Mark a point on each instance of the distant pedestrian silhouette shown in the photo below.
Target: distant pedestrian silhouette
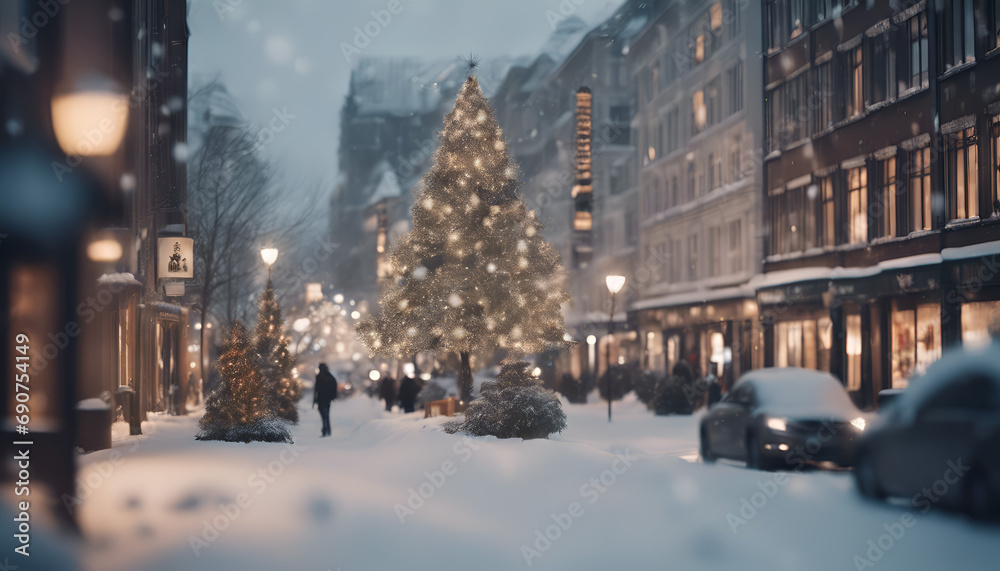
{"x": 387, "y": 390}
{"x": 324, "y": 392}
{"x": 408, "y": 391}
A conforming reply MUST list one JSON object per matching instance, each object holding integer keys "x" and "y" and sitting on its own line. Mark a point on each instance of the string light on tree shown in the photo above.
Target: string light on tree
{"x": 491, "y": 248}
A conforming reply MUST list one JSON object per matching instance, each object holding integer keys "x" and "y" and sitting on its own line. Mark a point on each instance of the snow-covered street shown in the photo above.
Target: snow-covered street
{"x": 394, "y": 491}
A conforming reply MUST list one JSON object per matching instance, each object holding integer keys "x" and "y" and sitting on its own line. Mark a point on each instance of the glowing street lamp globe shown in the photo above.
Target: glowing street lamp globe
{"x": 269, "y": 255}
{"x": 615, "y": 283}
{"x": 90, "y": 118}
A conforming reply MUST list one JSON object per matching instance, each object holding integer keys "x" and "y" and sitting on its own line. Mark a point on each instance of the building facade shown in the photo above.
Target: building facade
{"x": 882, "y": 134}
{"x": 696, "y": 73}
{"x": 539, "y": 107}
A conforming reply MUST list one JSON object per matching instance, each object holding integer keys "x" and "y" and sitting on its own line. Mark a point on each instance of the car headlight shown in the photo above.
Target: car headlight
{"x": 858, "y": 423}
{"x": 777, "y": 424}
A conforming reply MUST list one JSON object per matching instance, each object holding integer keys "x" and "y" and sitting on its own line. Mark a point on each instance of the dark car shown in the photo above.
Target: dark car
{"x": 783, "y": 418}
{"x": 938, "y": 443}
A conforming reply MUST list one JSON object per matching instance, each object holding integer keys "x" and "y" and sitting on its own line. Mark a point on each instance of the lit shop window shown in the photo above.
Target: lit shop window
{"x": 916, "y": 340}
{"x": 980, "y": 322}
{"x": 853, "y": 372}
{"x": 803, "y": 344}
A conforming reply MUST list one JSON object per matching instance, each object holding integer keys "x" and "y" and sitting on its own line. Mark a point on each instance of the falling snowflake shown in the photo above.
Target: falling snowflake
{"x": 454, "y": 300}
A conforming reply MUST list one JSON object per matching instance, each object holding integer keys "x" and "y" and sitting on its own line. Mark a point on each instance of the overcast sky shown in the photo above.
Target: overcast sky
{"x": 287, "y": 54}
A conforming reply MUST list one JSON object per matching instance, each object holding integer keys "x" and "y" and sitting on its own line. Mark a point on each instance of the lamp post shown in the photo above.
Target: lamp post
{"x": 269, "y": 255}
{"x": 615, "y": 284}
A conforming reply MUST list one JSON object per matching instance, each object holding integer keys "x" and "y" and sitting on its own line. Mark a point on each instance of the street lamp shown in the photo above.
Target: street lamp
{"x": 89, "y": 119}
{"x": 269, "y": 255}
{"x": 615, "y": 285}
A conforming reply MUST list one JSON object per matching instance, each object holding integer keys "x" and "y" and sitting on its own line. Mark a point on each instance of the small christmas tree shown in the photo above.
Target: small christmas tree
{"x": 239, "y": 410}
{"x": 289, "y": 387}
{"x": 274, "y": 359}
{"x": 474, "y": 274}
{"x": 515, "y": 405}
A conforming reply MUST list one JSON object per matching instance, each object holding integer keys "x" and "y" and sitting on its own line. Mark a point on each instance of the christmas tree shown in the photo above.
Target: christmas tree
{"x": 274, "y": 359}
{"x": 239, "y": 410}
{"x": 289, "y": 387}
{"x": 475, "y": 273}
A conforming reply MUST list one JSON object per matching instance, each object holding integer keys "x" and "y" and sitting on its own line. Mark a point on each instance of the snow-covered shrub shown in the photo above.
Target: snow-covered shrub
{"x": 645, "y": 386}
{"x": 622, "y": 377}
{"x": 576, "y": 390}
{"x": 431, "y": 392}
{"x": 673, "y": 395}
{"x": 261, "y": 430}
{"x": 515, "y": 405}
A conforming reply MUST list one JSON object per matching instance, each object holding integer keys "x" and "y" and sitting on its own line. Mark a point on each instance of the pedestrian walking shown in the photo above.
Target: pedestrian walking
{"x": 324, "y": 392}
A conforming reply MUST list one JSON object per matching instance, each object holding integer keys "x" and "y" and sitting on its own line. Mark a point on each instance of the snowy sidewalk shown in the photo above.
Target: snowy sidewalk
{"x": 395, "y": 492}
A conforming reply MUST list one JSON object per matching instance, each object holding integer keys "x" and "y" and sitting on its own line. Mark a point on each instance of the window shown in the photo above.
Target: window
{"x": 917, "y": 54}
{"x": 821, "y": 97}
{"x": 672, "y": 197}
{"x": 692, "y": 258}
{"x": 714, "y": 251}
{"x": 811, "y": 216}
{"x": 735, "y": 16}
{"x": 962, "y": 174}
{"x": 778, "y": 222}
{"x": 980, "y": 322}
{"x": 735, "y": 77}
{"x": 736, "y": 246}
{"x": 713, "y": 101}
{"x": 916, "y": 339}
{"x": 773, "y": 21}
{"x": 714, "y": 171}
{"x": 853, "y": 349}
{"x": 619, "y": 114}
{"x": 676, "y": 260}
{"x": 803, "y": 343}
{"x": 993, "y": 34}
{"x": 882, "y": 69}
{"x": 818, "y": 11}
{"x": 699, "y": 114}
{"x": 958, "y": 33}
{"x": 692, "y": 189}
{"x": 796, "y": 110}
{"x": 995, "y": 155}
{"x": 920, "y": 189}
{"x": 736, "y": 159}
{"x": 646, "y": 83}
{"x": 885, "y": 180}
{"x": 631, "y": 228}
{"x": 698, "y": 50}
{"x": 857, "y": 205}
{"x": 796, "y": 18}
{"x": 659, "y": 139}
{"x": 660, "y": 260}
{"x": 793, "y": 219}
{"x": 774, "y": 122}
{"x": 715, "y": 17}
{"x": 672, "y": 130}
{"x": 854, "y": 103}
{"x": 829, "y": 223}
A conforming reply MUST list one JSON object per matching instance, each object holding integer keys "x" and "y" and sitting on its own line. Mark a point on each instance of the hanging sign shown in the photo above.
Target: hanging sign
{"x": 175, "y": 257}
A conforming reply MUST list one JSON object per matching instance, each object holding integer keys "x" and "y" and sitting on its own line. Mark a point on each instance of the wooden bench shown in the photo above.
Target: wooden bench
{"x": 444, "y": 407}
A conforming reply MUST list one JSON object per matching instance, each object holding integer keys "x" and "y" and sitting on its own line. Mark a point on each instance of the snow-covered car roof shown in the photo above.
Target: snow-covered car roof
{"x": 800, "y": 393}
{"x": 955, "y": 364}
